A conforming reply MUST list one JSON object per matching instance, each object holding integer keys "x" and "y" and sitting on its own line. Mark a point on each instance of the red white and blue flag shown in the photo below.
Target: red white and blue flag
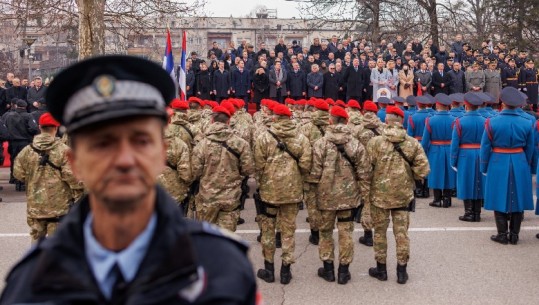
{"x": 168, "y": 60}
{"x": 183, "y": 73}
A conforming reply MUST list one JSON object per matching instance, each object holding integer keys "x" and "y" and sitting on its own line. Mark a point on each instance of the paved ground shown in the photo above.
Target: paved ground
{"x": 452, "y": 262}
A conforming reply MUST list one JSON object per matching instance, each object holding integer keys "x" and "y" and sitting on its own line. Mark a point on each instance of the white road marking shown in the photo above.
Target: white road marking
{"x": 302, "y": 231}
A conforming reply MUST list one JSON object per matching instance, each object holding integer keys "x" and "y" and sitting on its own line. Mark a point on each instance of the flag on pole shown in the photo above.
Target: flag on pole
{"x": 168, "y": 59}
{"x": 183, "y": 73}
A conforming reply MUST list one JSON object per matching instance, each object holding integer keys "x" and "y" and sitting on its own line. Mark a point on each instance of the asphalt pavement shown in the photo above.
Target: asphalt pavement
{"x": 451, "y": 262}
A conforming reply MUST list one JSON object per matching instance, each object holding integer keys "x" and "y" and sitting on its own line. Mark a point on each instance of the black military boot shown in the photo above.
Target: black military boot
{"x": 259, "y": 237}
{"x": 366, "y": 239}
{"x": 240, "y": 221}
{"x": 301, "y": 206}
{"x": 468, "y": 211}
{"x": 454, "y": 193}
{"x": 278, "y": 242}
{"x": 286, "y": 274}
{"x": 537, "y": 236}
{"x": 327, "y": 272}
{"x": 501, "y": 226}
{"x": 426, "y": 190}
{"x": 18, "y": 186}
{"x": 379, "y": 272}
{"x": 418, "y": 191}
{"x": 315, "y": 237}
{"x": 268, "y": 273}
{"x": 343, "y": 276}
{"x": 477, "y": 209}
{"x": 514, "y": 227}
{"x": 402, "y": 275}
{"x": 23, "y": 187}
{"x": 437, "y": 203}
{"x": 446, "y": 198}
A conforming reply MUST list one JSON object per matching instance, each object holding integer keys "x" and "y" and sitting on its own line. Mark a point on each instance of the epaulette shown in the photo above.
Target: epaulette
{"x": 206, "y": 228}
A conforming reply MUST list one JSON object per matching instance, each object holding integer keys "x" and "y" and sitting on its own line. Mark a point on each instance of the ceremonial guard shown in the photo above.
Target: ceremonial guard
{"x": 416, "y": 127}
{"x": 51, "y": 187}
{"x": 436, "y": 142}
{"x": 341, "y": 171}
{"x": 465, "y": 146}
{"x": 313, "y": 131}
{"x": 507, "y": 149}
{"x": 283, "y": 157}
{"x": 396, "y": 161}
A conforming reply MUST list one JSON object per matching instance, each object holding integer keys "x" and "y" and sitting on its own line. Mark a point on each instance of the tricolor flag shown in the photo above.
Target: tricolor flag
{"x": 183, "y": 73}
{"x": 168, "y": 59}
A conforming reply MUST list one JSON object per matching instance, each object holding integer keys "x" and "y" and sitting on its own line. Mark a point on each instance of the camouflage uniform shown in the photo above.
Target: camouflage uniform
{"x": 220, "y": 172}
{"x": 177, "y": 175}
{"x": 339, "y": 188}
{"x": 313, "y": 130}
{"x": 200, "y": 122}
{"x": 180, "y": 127}
{"x": 242, "y": 124}
{"x": 392, "y": 187}
{"x": 280, "y": 181}
{"x": 51, "y": 187}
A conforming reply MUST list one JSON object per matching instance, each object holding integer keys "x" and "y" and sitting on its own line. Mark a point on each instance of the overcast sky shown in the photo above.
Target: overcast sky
{"x": 237, "y": 8}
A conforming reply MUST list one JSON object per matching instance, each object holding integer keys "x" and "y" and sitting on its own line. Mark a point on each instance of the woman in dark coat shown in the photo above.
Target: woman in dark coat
{"x": 261, "y": 85}
{"x": 204, "y": 82}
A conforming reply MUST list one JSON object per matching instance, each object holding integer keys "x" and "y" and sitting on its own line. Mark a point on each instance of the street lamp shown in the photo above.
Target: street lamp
{"x": 29, "y": 42}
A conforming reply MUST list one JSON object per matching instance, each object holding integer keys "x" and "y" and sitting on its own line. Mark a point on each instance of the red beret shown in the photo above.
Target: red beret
{"x": 369, "y": 106}
{"x": 353, "y": 104}
{"x": 221, "y": 109}
{"x": 170, "y": 112}
{"x": 46, "y": 119}
{"x": 321, "y": 105}
{"x": 229, "y": 106}
{"x": 395, "y": 110}
{"x": 301, "y": 102}
{"x": 281, "y": 109}
{"x": 289, "y": 101}
{"x": 340, "y": 104}
{"x": 194, "y": 99}
{"x": 330, "y": 101}
{"x": 179, "y": 104}
{"x": 339, "y": 112}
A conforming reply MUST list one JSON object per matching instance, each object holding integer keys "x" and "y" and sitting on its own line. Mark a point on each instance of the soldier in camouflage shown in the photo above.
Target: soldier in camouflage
{"x": 340, "y": 169}
{"x": 397, "y": 161}
{"x": 372, "y": 127}
{"x": 314, "y": 130}
{"x": 220, "y": 161}
{"x": 51, "y": 187}
{"x": 282, "y": 158}
{"x": 177, "y": 176}
{"x": 195, "y": 114}
{"x": 180, "y": 127}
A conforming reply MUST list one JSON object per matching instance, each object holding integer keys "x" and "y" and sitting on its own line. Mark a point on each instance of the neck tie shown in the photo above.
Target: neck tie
{"x": 120, "y": 286}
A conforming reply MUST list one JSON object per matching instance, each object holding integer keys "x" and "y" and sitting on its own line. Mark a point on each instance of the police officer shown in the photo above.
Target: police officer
{"x": 465, "y": 145}
{"x": 21, "y": 128}
{"x": 223, "y": 152}
{"x": 338, "y": 195}
{"x": 506, "y": 155}
{"x": 282, "y": 158}
{"x": 397, "y": 160}
{"x": 436, "y": 142}
{"x": 51, "y": 187}
{"x": 510, "y": 75}
{"x": 126, "y": 240}
{"x": 529, "y": 82}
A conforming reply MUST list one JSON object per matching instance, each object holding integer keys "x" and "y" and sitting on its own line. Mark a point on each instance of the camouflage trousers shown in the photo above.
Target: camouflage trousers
{"x": 287, "y": 214}
{"x": 380, "y": 223}
{"x": 309, "y": 198}
{"x": 224, "y": 216}
{"x": 40, "y": 228}
{"x": 345, "y": 230}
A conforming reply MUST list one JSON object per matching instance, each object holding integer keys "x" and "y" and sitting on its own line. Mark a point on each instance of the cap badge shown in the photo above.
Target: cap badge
{"x": 104, "y": 85}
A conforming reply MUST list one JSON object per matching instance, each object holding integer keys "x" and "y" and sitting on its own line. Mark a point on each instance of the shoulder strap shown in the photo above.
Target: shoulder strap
{"x": 174, "y": 167}
{"x": 188, "y": 131}
{"x": 399, "y": 150}
{"x": 228, "y": 148}
{"x": 376, "y": 133}
{"x": 321, "y": 130}
{"x": 340, "y": 148}
{"x": 45, "y": 158}
{"x": 282, "y": 146}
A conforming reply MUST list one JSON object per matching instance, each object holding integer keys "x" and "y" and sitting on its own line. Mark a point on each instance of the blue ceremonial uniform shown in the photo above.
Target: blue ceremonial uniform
{"x": 491, "y": 111}
{"x": 436, "y": 143}
{"x": 508, "y": 185}
{"x": 465, "y": 148}
{"x": 406, "y": 116}
{"x": 416, "y": 124}
{"x": 456, "y": 112}
{"x": 484, "y": 113}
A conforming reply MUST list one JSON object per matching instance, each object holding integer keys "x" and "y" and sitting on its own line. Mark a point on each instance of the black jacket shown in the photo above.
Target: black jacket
{"x": 437, "y": 80}
{"x": 296, "y": 83}
{"x": 20, "y": 124}
{"x": 332, "y": 83}
{"x": 16, "y": 92}
{"x": 354, "y": 81}
{"x": 35, "y": 95}
{"x": 57, "y": 269}
{"x": 457, "y": 81}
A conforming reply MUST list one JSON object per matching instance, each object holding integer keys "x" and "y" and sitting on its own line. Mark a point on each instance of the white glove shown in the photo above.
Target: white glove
{"x": 454, "y": 168}
{"x": 484, "y": 174}
{"x": 525, "y": 89}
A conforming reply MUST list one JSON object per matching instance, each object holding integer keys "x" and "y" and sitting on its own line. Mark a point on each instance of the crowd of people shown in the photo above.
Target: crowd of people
{"x": 354, "y": 132}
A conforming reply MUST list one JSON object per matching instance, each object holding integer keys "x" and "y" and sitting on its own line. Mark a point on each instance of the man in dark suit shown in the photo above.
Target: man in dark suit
{"x": 221, "y": 83}
{"x": 36, "y": 94}
{"x": 241, "y": 83}
{"x": 353, "y": 78}
{"x": 332, "y": 82}
{"x": 440, "y": 80}
{"x": 296, "y": 83}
